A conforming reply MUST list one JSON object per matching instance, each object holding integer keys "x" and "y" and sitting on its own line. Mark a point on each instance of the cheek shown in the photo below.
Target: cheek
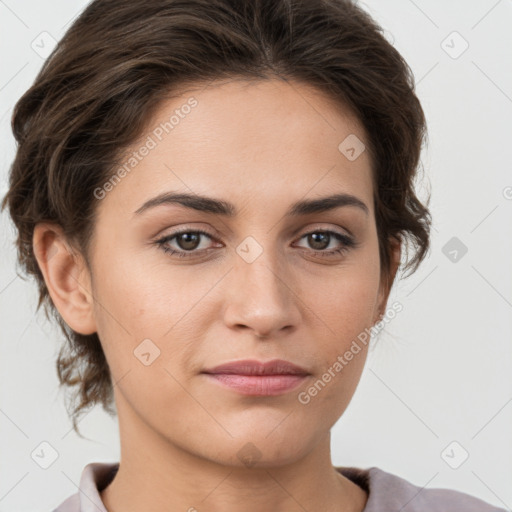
{"x": 341, "y": 350}
{"x": 142, "y": 298}
{"x": 346, "y": 301}
{"x": 144, "y": 309}
{"x": 346, "y": 307}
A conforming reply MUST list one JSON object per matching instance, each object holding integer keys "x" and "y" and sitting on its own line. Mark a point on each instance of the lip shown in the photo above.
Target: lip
{"x": 252, "y": 367}
{"x": 255, "y": 378}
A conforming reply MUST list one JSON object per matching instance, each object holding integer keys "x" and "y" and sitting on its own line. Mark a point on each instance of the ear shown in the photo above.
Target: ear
{"x": 387, "y": 280}
{"x": 66, "y": 276}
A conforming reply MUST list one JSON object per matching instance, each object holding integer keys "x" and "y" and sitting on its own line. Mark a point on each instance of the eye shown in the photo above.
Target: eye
{"x": 319, "y": 240}
{"x": 187, "y": 242}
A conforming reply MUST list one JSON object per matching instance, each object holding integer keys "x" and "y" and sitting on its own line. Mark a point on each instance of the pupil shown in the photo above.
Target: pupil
{"x": 188, "y": 241}
{"x": 314, "y": 240}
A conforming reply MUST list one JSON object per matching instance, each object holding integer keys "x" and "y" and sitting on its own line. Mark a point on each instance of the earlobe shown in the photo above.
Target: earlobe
{"x": 66, "y": 276}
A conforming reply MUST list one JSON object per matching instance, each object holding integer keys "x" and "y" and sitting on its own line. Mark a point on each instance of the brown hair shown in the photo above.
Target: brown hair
{"x": 107, "y": 75}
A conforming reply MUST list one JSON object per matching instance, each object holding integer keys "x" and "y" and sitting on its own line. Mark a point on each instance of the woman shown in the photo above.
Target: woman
{"x": 214, "y": 197}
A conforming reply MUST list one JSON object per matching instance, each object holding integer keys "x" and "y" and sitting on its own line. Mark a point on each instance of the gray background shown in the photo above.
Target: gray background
{"x": 442, "y": 369}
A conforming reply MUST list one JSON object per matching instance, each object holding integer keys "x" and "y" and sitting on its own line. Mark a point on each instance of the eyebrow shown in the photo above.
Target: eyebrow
{"x": 221, "y": 207}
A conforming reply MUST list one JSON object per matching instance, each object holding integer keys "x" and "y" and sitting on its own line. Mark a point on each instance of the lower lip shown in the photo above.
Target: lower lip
{"x": 258, "y": 385}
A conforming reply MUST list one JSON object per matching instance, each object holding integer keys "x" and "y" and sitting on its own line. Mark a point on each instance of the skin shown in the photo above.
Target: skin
{"x": 261, "y": 146}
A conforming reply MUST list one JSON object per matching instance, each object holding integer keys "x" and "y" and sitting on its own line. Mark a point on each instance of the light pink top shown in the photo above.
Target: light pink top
{"x": 386, "y": 492}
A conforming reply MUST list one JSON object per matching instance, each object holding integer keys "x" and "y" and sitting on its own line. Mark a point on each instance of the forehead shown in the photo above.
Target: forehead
{"x": 258, "y": 142}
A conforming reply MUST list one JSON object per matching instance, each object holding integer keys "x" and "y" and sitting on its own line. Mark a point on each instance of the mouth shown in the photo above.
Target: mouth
{"x": 255, "y": 378}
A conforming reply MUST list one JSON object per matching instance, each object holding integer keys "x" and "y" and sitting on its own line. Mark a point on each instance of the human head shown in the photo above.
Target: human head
{"x": 119, "y": 62}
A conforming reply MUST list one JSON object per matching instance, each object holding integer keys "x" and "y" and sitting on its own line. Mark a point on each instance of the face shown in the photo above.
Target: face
{"x": 257, "y": 281}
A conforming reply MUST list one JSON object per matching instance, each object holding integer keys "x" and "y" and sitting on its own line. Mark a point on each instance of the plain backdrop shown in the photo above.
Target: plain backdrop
{"x": 434, "y": 404}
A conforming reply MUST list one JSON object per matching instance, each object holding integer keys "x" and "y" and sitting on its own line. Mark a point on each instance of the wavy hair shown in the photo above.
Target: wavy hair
{"x": 119, "y": 60}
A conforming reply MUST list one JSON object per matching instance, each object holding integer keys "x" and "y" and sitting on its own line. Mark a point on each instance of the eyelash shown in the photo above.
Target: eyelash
{"x": 348, "y": 243}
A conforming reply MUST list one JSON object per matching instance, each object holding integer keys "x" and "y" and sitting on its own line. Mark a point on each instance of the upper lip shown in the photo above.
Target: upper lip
{"x": 253, "y": 367}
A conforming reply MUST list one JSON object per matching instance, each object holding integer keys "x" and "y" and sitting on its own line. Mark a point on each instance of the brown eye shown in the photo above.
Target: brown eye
{"x": 320, "y": 240}
{"x": 184, "y": 243}
{"x": 188, "y": 241}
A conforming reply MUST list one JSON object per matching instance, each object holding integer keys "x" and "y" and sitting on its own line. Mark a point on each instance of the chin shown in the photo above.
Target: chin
{"x": 260, "y": 451}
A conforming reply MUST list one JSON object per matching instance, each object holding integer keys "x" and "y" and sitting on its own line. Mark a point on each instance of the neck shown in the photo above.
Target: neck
{"x": 165, "y": 476}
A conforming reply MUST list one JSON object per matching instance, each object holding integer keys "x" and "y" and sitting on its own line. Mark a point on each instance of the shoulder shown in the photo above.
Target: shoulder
{"x": 71, "y": 504}
{"x": 390, "y": 492}
{"x": 95, "y": 477}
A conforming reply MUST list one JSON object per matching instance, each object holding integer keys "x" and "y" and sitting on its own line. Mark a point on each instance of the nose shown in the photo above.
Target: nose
{"x": 261, "y": 297}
